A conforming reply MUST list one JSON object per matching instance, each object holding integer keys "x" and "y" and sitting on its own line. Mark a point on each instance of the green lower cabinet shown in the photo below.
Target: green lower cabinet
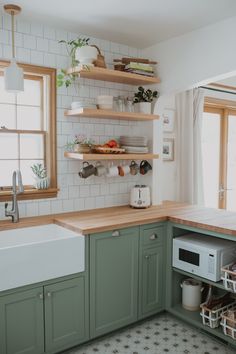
{"x": 66, "y": 320}
{"x": 113, "y": 280}
{"x": 22, "y": 322}
{"x": 151, "y": 287}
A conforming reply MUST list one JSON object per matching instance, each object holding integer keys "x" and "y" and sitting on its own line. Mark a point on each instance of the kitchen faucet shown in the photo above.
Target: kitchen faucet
{"x": 14, "y": 212}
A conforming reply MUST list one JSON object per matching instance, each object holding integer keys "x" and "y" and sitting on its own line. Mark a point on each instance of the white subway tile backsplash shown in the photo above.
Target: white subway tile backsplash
{"x": 38, "y": 44}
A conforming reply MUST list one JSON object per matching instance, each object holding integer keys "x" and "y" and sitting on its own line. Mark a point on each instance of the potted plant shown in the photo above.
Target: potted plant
{"x": 80, "y": 144}
{"x": 72, "y": 46}
{"x": 40, "y": 176}
{"x": 144, "y": 98}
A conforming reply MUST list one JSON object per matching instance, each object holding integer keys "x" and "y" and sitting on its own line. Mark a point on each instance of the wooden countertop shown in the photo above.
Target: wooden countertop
{"x": 99, "y": 220}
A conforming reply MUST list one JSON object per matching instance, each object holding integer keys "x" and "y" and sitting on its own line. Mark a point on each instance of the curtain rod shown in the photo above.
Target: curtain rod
{"x": 218, "y": 90}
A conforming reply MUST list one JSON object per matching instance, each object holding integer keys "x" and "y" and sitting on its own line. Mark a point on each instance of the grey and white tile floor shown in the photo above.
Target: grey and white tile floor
{"x": 159, "y": 335}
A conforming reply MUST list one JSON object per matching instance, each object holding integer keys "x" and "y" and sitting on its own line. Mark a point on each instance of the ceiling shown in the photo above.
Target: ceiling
{"x": 136, "y": 23}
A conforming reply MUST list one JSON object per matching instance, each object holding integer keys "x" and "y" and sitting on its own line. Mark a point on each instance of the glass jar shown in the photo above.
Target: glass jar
{"x": 129, "y": 106}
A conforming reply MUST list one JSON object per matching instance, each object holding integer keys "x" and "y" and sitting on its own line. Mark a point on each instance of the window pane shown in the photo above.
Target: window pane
{"x": 31, "y": 146}
{"x": 5, "y": 97}
{"x": 31, "y": 94}
{"x": 28, "y": 118}
{"x": 231, "y": 164}
{"x": 27, "y": 174}
{"x": 8, "y": 116}
{"x": 6, "y": 169}
{"x": 8, "y": 146}
{"x": 210, "y": 152}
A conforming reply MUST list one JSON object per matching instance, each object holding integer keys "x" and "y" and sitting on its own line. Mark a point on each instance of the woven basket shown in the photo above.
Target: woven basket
{"x": 100, "y": 61}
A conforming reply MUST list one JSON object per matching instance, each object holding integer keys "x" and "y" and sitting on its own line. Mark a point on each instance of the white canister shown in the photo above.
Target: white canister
{"x": 191, "y": 294}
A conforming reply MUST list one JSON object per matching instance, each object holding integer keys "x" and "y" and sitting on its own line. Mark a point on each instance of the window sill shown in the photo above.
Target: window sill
{"x": 30, "y": 194}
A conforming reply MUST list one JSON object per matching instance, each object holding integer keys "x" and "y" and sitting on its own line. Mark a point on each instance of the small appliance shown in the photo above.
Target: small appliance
{"x": 202, "y": 255}
{"x": 140, "y": 196}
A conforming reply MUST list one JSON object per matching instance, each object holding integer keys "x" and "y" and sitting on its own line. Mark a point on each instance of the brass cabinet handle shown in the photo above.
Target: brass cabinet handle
{"x": 41, "y": 296}
{"x": 116, "y": 233}
{"x": 147, "y": 257}
{"x": 153, "y": 237}
{"x": 49, "y": 294}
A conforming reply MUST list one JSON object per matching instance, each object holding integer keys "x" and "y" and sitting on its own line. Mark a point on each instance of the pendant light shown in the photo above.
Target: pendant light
{"x": 13, "y": 74}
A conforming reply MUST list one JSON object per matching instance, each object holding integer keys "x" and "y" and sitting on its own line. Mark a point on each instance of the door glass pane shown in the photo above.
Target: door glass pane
{"x": 31, "y": 146}
{"x": 211, "y": 154}
{"x": 8, "y": 116}
{"x": 28, "y": 118}
{"x": 31, "y": 94}
{"x": 8, "y": 146}
{"x": 27, "y": 174}
{"x": 7, "y": 167}
{"x": 231, "y": 165}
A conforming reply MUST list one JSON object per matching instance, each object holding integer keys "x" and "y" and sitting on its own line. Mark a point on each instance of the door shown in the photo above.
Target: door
{"x": 22, "y": 323}
{"x": 151, "y": 281}
{"x": 219, "y": 157}
{"x": 66, "y": 314}
{"x": 113, "y": 280}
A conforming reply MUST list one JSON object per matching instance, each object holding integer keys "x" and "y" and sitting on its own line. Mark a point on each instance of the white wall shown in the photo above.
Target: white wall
{"x": 197, "y": 57}
{"x": 38, "y": 44}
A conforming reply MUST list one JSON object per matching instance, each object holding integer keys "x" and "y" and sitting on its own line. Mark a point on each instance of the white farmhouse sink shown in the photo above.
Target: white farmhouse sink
{"x": 33, "y": 254}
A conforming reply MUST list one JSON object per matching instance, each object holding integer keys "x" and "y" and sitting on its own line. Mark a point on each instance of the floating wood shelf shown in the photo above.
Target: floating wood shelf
{"x": 94, "y": 157}
{"x": 108, "y": 114}
{"x": 121, "y": 77}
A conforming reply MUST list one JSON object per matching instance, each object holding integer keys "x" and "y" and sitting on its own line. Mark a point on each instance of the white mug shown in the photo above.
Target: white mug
{"x": 112, "y": 171}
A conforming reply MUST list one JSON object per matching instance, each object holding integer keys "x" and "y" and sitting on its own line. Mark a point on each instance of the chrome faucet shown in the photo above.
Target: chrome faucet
{"x": 14, "y": 212}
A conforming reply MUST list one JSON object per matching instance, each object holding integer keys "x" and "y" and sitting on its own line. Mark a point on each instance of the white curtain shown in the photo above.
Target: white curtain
{"x": 189, "y": 114}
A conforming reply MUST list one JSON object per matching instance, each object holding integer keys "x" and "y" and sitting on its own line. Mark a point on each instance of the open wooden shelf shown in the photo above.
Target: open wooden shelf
{"x": 109, "y": 114}
{"x": 94, "y": 157}
{"x": 121, "y": 77}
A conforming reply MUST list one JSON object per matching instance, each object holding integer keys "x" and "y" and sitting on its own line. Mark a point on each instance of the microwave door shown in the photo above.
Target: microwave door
{"x": 189, "y": 257}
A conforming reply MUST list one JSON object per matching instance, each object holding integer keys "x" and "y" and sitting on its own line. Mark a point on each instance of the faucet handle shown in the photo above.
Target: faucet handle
{"x": 6, "y": 205}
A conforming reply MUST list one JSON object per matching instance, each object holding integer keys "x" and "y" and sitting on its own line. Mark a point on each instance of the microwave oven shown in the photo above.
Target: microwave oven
{"x": 202, "y": 255}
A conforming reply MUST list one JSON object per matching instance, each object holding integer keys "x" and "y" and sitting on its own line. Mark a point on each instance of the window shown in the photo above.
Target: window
{"x": 27, "y": 131}
{"x": 219, "y": 154}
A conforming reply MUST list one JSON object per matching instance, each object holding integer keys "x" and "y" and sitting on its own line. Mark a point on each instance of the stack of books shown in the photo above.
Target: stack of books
{"x": 140, "y": 68}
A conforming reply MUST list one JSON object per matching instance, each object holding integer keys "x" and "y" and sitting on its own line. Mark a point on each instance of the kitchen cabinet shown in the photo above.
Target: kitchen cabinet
{"x": 113, "y": 280}
{"x": 22, "y": 322}
{"x": 151, "y": 278}
{"x": 46, "y": 319}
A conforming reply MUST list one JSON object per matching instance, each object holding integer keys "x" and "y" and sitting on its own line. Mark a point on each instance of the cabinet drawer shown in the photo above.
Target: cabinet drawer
{"x": 152, "y": 235}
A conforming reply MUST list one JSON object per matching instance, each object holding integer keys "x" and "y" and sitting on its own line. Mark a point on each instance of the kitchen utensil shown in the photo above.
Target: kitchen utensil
{"x": 87, "y": 170}
{"x": 140, "y": 196}
{"x": 100, "y": 170}
{"x": 145, "y": 167}
{"x": 134, "y": 168}
{"x": 134, "y": 60}
{"x": 124, "y": 170}
{"x": 113, "y": 171}
{"x": 191, "y": 294}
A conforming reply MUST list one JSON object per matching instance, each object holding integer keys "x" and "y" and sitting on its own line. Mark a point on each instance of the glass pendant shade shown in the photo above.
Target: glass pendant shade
{"x": 14, "y": 77}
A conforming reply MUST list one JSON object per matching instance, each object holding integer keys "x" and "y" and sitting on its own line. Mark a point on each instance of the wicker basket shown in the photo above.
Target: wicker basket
{"x": 228, "y": 322}
{"x": 100, "y": 61}
{"x": 229, "y": 278}
{"x": 212, "y": 318}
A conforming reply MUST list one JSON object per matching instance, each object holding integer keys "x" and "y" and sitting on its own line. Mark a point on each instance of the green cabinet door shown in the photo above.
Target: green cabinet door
{"x": 22, "y": 323}
{"x": 66, "y": 314}
{"x": 151, "y": 288}
{"x": 113, "y": 280}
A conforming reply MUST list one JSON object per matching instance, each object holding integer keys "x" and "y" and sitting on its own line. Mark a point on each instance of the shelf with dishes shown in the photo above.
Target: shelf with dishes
{"x": 104, "y": 74}
{"x": 109, "y": 114}
{"x": 99, "y": 157}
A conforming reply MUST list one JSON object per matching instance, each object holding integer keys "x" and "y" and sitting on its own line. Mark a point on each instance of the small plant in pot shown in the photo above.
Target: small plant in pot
{"x": 40, "y": 176}
{"x": 144, "y": 99}
{"x": 80, "y": 144}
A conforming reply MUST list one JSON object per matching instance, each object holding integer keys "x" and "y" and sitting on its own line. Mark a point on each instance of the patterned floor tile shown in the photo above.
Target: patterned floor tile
{"x": 162, "y": 334}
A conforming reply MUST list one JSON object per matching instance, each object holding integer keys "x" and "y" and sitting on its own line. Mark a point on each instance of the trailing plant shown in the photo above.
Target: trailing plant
{"x": 39, "y": 170}
{"x": 72, "y": 45}
{"x": 144, "y": 95}
{"x": 63, "y": 78}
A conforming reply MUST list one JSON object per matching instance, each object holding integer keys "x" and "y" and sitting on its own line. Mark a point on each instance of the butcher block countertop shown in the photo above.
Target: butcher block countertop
{"x": 99, "y": 220}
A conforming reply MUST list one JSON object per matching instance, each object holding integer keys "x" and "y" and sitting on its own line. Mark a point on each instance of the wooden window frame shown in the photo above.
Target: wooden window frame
{"x": 224, "y": 108}
{"x": 32, "y": 193}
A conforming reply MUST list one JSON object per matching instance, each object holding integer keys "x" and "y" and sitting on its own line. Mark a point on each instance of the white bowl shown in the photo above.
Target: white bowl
{"x": 105, "y": 106}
